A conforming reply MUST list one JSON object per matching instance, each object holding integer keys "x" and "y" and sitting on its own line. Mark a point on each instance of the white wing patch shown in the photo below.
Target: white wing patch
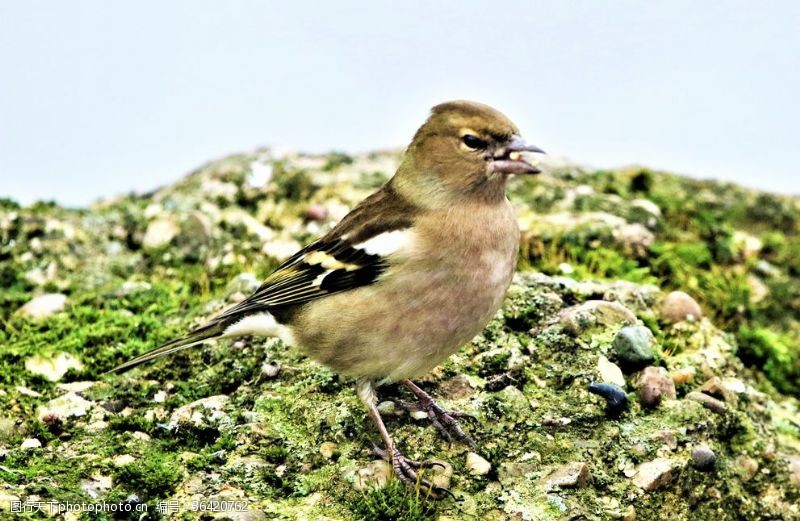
{"x": 259, "y": 324}
{"x": 386, "y": 243}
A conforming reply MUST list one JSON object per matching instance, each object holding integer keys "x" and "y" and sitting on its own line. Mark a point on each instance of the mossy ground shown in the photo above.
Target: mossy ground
{"x": 524, "y": 378}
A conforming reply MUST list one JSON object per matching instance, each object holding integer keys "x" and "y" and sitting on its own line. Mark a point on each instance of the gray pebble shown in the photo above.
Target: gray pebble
{"x": 703, "y": 458}
{"x": 634, "y": 347}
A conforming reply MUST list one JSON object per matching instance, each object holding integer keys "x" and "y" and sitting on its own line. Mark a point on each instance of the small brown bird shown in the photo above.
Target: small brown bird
{"x": 414, "y": 272}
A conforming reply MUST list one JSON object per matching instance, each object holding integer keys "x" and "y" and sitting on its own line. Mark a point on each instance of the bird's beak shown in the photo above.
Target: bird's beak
{"x": 511, "y": 160}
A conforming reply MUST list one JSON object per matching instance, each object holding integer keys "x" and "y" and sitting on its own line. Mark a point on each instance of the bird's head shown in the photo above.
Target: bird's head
{"x": 464, "y": 150}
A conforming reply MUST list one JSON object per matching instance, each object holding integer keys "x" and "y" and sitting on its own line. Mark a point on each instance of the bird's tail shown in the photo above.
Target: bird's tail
{"x": 201, "y": 334}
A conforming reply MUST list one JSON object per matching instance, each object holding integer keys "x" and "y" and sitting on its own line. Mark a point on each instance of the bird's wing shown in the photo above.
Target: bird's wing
{"x": 353, "y": 254}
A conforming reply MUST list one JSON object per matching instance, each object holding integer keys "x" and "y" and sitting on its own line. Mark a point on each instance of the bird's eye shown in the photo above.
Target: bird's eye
{"x": 474, "y": 142}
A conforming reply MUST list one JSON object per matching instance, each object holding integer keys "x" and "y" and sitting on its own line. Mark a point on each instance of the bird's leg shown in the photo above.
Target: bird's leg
{"x": 405, "y": 469}
{"x": 445, "y": 421}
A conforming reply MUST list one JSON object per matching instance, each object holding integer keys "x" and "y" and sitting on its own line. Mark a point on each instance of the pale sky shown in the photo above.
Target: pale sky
{"x": 99, "y": 98}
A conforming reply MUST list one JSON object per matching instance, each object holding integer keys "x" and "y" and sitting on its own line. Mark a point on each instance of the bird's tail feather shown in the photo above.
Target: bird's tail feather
{"x": 212, "y": 330}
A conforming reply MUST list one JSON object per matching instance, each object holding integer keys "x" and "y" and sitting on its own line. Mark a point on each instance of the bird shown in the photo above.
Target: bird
{"x": 410, "y": 275}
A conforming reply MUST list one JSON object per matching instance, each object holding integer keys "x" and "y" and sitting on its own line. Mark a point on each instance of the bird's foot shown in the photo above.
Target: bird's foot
{"x": 407, "y": 471}
{"x": 446, "y": 422}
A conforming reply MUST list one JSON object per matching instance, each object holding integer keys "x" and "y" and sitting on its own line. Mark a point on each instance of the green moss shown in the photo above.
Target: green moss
{"x": 153, "y": 476}
{"x": 774, "y": 354}
{"x": 394, "y": 502}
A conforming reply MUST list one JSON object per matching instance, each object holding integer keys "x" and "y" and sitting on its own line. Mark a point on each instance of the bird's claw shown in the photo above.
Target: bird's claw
{"x": 407, "y": 469}
{"x": 446, "y": 422}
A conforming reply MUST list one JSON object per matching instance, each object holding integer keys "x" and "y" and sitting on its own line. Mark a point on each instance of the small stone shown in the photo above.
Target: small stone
{"x": 573, "y": 475}
{"x": 76, "y": 387}
{"x": 634, "y": 347}
{"x": 708, "y": 401}
{"x": 646, "y": 212}
{"x": 679, "y": 306}
{"x": 703, "y": 458}
{"x": 280, "y": 250}
{"x": 43, "y": 306}
{"x": 24, "y": 391}
{"x": 203, "y": 413}
{"x": 794, "y": 470}
{"x": 566, "y": 268}
{"x": 96, "y": 485}
{"x": 615, "y": 397}
{"x": 122, "y": 459}
{"x": 66, "y": 406}
{"x": 315, "y": 212}
{"x": 132, "y": 286}
{"x": 419, "y": 415}
{"x": 654, "y": 385}
{"x": 683, "y": 375}
{"x": 390, "y": 408}
{"x": 53, "y": 367}
{"x": 328, "y": 449}
{"x": 477, "y": 465}
{"x": 270, "y": 369}
{"x": 630, "y": 514}
{"x": 31, "y": 443}
{"x": 610, "y": 372}
{"x": 595, "y": 313}
{"x": 654, "y": 474}
{"x": 159, "y": 233}
{"x": 243, "y": 283}
{"x": 375, "y": 474}
{"x": 746, "y": 467}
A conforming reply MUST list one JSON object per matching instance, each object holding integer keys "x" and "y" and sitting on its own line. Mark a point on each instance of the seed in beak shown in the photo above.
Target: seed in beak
{"x": 515, "y": 156}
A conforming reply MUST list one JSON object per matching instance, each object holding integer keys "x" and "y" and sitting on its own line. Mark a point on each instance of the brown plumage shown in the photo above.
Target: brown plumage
{"x": 407, "y": 277}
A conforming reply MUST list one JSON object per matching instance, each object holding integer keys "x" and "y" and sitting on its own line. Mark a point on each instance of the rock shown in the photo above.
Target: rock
{"x": 30, "y": 443}
{"x": 66, "y": 406}
{"x": 8, "y": 427}
{"x": 634, "y": 347}
{"x": 708, "y": 401}
{"x": 160, "y": 233}
{"x": 121, "y": 460}
{"x": 203, "y": 413}
{"x": 573, "y": 475}
{"x": 132, "y": 286}
{"x": 76, "y": 387}
{"x": 96, "y": 485}
{"x": 43, "y": 306}
{"x": 245, "y": 283}
{"x": 615, "y": 397}
{"x": 748, "y": 246}
{"x": 24, "y": 391}
{"x": 703, "y": 458}
{"x": 328, "y": 449}
{"x": 679, "y": 306}
{"x": 654, "y": 474}
{"x": 610, "y": 372}
{"x": 376, "y": 474}
{"x": 54, "y": 366}
{"x": 654, "y": 385}
{"x": 280, "y": 250}
{"x": 595, "y": 313}
{"x": 746, "y": 467}
{"x": 646, "y": 212}
{"x": 758, "y": 290}
{"x": 794, "y": 470}
{"x": 477, "y": 465}
{"x": 683, "y": 375}
{"x": 270, "y": 369}
{"x": 315, "y": 212}
{"x": 388, "y": 407}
